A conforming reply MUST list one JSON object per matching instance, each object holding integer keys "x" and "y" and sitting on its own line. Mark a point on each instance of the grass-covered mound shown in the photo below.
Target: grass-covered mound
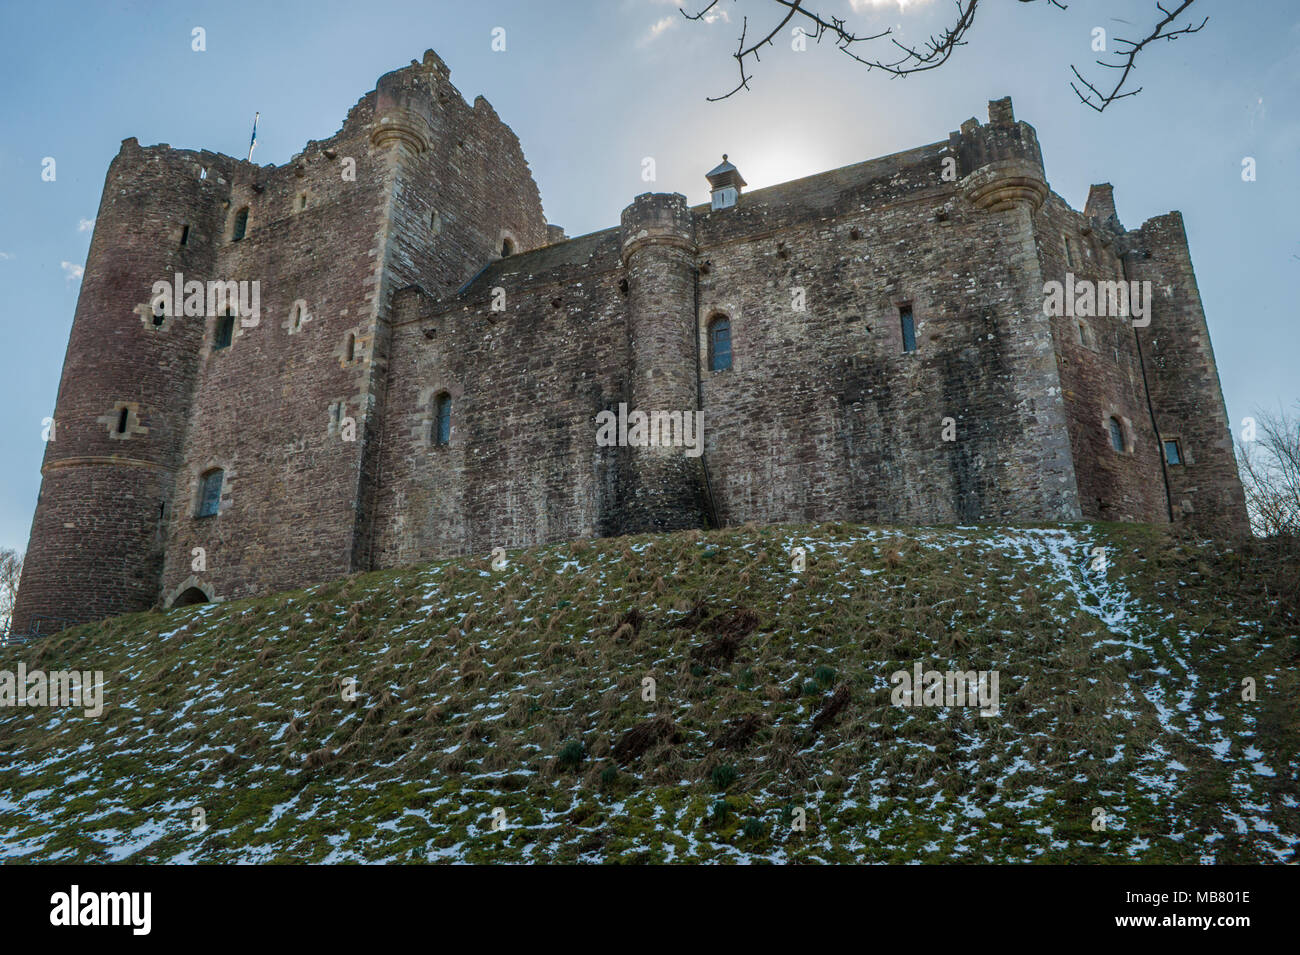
{"x": 519, "y": 695}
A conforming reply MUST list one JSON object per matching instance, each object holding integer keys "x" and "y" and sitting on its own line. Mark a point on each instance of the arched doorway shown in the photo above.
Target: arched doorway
{"x": 190, "y": 597}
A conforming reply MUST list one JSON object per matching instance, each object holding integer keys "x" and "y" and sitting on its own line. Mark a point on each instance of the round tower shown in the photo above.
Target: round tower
{"x": 119, "y": 421}
{"x": 1001, "y": 163}
{"x": 662, "y": 485}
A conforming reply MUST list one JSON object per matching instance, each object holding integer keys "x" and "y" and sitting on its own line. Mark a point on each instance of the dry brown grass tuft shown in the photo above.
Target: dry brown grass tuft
{"x": 838, "y": 701}
{"x": 740, "y": 731}
{"x": 643, "y": 736}
{"x": 629, "y": 625}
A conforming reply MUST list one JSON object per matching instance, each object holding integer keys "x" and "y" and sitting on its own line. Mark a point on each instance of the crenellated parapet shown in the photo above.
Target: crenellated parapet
{"x": 1000, "y": 164}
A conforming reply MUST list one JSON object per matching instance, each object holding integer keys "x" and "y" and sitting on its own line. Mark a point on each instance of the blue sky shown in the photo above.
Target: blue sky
{"x": 591, "y": 88}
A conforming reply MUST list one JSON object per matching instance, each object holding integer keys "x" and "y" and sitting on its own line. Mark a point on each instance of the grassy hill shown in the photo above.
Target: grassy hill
{"x": 521, "y": 691}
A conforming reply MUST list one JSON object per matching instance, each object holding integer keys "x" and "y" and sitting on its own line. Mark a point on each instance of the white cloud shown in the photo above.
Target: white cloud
{"x": 5, "y": 255}
{"x": 860, "y": 6}
{"x": 664, "y": 24}
{"x": 658, "y": 29}
{"x": 72, "y": 270}
{"x": 85, "y": 225}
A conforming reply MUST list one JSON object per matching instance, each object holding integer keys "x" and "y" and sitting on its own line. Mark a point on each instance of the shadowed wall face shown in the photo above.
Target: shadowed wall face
{"x": 125, "y": 395}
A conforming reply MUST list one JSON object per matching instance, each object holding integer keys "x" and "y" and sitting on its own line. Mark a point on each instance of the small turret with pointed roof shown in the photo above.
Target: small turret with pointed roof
{"x": 725, "y": 183}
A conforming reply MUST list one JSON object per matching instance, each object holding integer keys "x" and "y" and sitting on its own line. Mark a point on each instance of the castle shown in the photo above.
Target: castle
{"x": 423, "y": 363}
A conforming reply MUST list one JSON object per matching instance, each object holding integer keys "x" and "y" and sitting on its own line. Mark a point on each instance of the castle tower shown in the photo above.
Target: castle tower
{"x": 97, "y": 537}
{"x": 1191, "y": 419}
{"x": 1000, "y": 166}
{"x": 662, "y": 487}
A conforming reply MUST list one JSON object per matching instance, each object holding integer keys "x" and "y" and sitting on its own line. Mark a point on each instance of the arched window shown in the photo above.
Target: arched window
{"x": 241, "y": 225}
{"x": 1116, "y": 435}
{"x": 159, "y": 314}
{"x": 350, "y": 352}
{"x": 210, "y": 493}
{"x": 507, "y": 247}
{"x": 225, "y": 332}
{"x": 720, "y": 343}
{"x": 442, "y": 419}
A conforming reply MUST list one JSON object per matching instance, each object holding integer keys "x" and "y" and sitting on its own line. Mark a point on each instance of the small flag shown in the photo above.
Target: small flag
{"x": 253, "y": 141}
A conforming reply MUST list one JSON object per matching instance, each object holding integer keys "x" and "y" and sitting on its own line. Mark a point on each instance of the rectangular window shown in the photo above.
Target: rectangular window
{"x": 210, "y": 496}
{"x": 1173, "y": 453}
{"x": 720, "y": 344}
{"x": 185, "y": 235}
{"x": 225, "y": 332}
{"x": 909, "y": 328}
{"x": 442, "y": 420}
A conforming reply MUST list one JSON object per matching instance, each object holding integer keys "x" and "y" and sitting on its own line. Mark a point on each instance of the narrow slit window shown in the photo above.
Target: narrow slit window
{"x": 720, "y": 344}
{"x": 908, "y": 325}
{"x": 122, "y": 419}
{"x": 1173, "y": 452}
{"x": 351, "y": 351}
{"x": 1116, "y": 435}
{"x": 225, "y": 332}
{"x": 210, "y": 493}
{"x": 442, "y": 420}
{"x": 241, "y": 225}
{"x": 1085, "y": 335}
{"x": 185, "y": 235}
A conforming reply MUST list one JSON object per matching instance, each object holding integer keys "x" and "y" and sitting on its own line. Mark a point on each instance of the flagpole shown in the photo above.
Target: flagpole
{"x": 253, "y": 142}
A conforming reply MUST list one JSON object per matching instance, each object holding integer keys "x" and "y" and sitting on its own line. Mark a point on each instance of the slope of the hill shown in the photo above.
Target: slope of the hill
{"x": 508, "y": 714}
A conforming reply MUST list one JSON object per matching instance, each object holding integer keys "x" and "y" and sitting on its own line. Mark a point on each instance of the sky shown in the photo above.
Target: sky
{"x": 593, "y": 87}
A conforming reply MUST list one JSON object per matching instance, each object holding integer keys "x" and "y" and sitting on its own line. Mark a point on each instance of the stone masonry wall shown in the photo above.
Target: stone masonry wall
{"x": 526, "y": 384}
{"x": 270, "y": 409}
{"x": 1205, "y": 490}
{"x": 823, "y": 416}
{"x": 1101, "y": 375}
{"x": 96, "y": 546}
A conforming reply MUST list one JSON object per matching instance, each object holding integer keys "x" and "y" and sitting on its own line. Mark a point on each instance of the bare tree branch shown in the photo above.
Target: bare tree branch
{"x": 11, "y": 569}
{"x": 1098, "y": 100}
{"x": 1270, "y": 474}
{"x": 938, "y": 48}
